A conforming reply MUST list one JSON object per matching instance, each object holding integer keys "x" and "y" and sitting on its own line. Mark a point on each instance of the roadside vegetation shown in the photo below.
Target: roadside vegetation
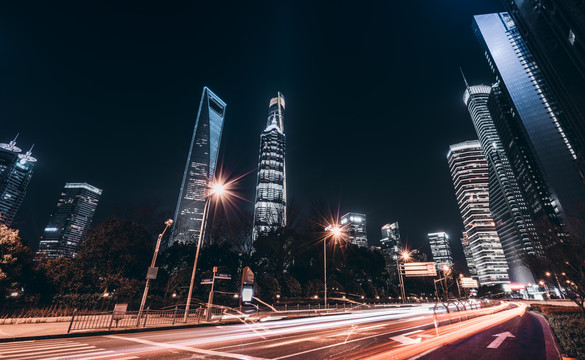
{"x": 568, "y": 325}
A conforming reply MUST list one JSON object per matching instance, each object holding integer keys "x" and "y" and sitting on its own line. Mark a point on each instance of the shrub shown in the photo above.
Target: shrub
{"x": 570, "y": 331}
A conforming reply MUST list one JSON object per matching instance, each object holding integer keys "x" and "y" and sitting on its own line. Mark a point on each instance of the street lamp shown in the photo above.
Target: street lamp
{"x": 335, "y": 231}
{"x": 150, "y": 275}
{"x": 216, "y": 189}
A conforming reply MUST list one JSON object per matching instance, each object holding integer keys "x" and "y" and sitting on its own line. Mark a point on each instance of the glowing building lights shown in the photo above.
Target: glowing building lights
{"x": 270, "y": 204}
{"x": 355, "y": 228}
{"x": 199, "y": 169}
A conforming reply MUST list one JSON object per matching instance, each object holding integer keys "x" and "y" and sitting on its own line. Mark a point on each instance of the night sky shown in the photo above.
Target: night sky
{"x": 108, "y": 93}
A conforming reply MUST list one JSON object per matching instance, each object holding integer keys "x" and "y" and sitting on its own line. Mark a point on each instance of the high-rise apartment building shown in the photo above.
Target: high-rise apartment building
{"x": 507, "y": 205}
{"x": 270, "y": 204}
{"x": 68, "y": 225}
{"x": 469, "y": 171}
{"x": 440, "y": 249}
{"x": 354, "y": 225}
{"x": 200, "y": 168}
{"x": 554, "y": 32}
{"x": 529, "y": 122}
{"x": 15, "y": 174}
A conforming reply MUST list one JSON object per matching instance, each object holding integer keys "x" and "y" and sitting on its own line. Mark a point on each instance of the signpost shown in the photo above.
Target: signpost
{"x": 247, "y": 288}
{"x": 469, "y": 283}
{"x": 216, "y": 275}
{"x": 416, "y": 269}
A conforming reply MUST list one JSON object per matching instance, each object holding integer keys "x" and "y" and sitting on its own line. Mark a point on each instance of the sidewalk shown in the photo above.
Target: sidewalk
{"x": 13, "y": 331}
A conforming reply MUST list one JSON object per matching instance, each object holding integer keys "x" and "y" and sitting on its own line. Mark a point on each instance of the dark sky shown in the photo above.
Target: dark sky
{"x": 108, "y": 94}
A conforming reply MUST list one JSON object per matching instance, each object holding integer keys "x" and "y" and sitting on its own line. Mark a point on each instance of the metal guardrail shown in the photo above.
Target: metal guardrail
{"x": 153, "y": 318}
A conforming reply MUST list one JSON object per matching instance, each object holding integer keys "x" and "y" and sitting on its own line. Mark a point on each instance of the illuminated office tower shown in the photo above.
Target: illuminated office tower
{"x": 270, "y": 204}
{"x": 200, "y": 168}
{"x": 529, "y": 123}
{"x": 15, "y": 174}
{"x": 440, "y": 249}
{"x": 554, "y": 32}
{"x": 507, "y": 205}
{"x": 68, "y": 225}
{"x": 468, "y": 256}
{"x": 354, "y": 225}
{"x": 391, "y": 247}
{"x": 469, "y": 171}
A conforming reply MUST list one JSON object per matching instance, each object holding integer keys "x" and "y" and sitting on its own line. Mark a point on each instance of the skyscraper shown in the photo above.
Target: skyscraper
{"x": 527, "y": 118}
{"x": 440, "y": 249}
{"x": 68, "y": 225}
{"x": 391, "y": 247}
{"x": 200, "y": 168}
{"x": 554, "y": 32}
{"x": 270, "y": 204}
{"x": 354, "y": 225}
{"x": 468, "y": 256}
{"x": 507, "y": 205}
{"x": 469, "y": 171}
{"x": 15, "y": 174}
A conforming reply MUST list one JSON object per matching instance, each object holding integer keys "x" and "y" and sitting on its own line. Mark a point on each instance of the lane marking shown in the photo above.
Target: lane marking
{"x": 74, "y": 354}
{"x": 30, "y": 349}
{"x": 350, "y": 341}
{"x": 186, "y": 348}
{"x": 499, "y": 339}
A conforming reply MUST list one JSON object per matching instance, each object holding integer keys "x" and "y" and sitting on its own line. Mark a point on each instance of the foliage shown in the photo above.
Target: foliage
{"x": 570, "y": 331}
{"x": 17, "y": 275}
{"x": 560, "y": 253}
{"x": 291, "y": 287}
{"x": 268, "y": 288}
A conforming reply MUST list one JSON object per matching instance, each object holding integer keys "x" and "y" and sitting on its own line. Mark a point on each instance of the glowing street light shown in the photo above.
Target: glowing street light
{"x": 335, "y": 232}
{"x": 405, "y": 256}
{"x": 216, "y": 189}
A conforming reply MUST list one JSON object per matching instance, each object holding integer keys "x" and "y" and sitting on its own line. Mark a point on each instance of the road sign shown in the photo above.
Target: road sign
{"x": 119, "y": 311}
{"x": 469, "y": 283}
{"x": 499, "y": 340}
{"x": 206, "y": 281}
{"x": 152, "y": 272}
{"x": 222, "y": 276}
{"x": 416, "y": 269}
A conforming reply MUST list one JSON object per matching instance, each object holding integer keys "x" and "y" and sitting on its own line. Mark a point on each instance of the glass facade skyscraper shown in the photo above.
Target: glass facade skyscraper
{"x": 391, "y": 247}
{"x": 354, "y": 225}
{"x": 554, "y": 32}
{"x": 68, "y": 225}
{"x": 270, "y": 204}
{"x": 508, "y": 208}
{"x": 440, "y": 249}
{"x": 469, "y": 171}
{"x": 15, "y": 174}
{"x": 527, "y": 119}
{"x": 200, "y": 168}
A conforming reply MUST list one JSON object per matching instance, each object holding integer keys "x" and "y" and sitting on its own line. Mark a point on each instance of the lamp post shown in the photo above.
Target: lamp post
{"x": 558, "y": 284}
{"x": 335, "y": 232}
{"x": 150, "y": 276}
{"x": 217, "y": 189}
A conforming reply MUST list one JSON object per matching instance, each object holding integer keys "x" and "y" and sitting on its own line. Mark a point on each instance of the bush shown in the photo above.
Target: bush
{"x": 570, "y": 331}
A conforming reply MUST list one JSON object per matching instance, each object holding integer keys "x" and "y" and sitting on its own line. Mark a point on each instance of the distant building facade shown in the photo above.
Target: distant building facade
{"x": 200, "y": 168}
{"x": 468, "y": 256}
{"x": 354, "y": 225}
{"x": 270, "y": 204}
{"x": 15, "y": 174}
{"x": 508, "y": 208}
{"x": 68, "y": 225}
{"x": 529, "y": 122}
{"x": 469, "y": 172}
{"x": 440, "y": 249}
{"x": 391, "y": 247}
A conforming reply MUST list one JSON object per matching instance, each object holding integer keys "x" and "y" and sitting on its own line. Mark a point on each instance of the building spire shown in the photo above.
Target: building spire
{"x": 464, "y": 79}
{"x": 29, "y": 152}
{"x": 13, "y": 142}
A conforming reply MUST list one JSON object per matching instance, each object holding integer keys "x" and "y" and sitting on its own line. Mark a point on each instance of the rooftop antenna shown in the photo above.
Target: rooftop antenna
{"x": 13, "y": 142}
{"x": 30, "y": 151}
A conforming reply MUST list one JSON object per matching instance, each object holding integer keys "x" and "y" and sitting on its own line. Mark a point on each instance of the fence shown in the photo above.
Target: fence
{"x": 151, "y": 318}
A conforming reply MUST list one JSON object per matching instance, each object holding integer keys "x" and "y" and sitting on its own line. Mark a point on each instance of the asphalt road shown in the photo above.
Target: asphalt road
{"x": 522, "y": 338}
{"x": 343, "y": 336}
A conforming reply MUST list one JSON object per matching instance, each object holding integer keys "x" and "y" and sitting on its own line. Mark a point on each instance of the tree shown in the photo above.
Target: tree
{"x": 17, "y": 275}
{"x": 291, "y": 287}
{"x": 560, "y": 253}
{"x": 115, "y": 252}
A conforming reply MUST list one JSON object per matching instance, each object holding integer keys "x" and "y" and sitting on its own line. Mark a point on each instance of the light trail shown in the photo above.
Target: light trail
{"x": 453, "y": 333}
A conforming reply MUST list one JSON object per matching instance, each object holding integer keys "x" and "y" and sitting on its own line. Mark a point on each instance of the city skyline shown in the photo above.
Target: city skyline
{"x": 153, "y": 125}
